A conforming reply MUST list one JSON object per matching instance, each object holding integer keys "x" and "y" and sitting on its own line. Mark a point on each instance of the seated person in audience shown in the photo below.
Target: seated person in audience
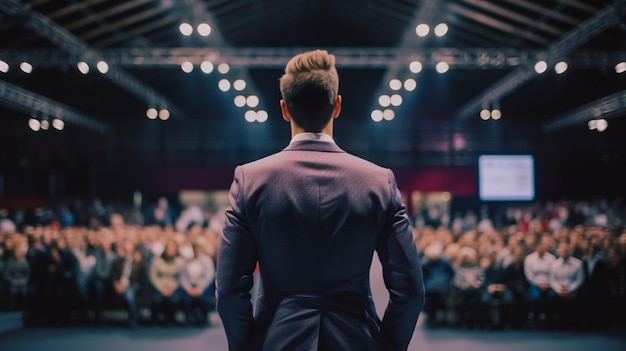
{"x": 197, "y": 278}
{"x": 596, "y": 289}
{"x": 165, "y": 278}
{"x": 617, "y": 284}
{"x": 127, "y": 275}
{"x": 16, "y": 273}
{"x": 101, "y": 282}
{"x": 537, "y": 270}
{"x": 467, "y": 283}
{"x": 86, "y": 267}
{"x": 438, "y": 273}
{"x": 566, "y": 278}
{"x": 519, "y": 286}
{"x": 496, "y": 288}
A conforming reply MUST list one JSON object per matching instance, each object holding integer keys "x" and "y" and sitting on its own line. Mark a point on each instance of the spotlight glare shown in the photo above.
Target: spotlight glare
{"x": 26, "y": 67}
{"x": 422, "y": 30}
{"x": 185, "y": 29}
{"x": 239, "y": 84}
{"x": 252, "y": 101}
{"x": 442, "y": 67}
{"x": 485, "y": 114}
{"x": 186, "y": 66}
{"x": 224, "y": 85}
{"x": 396, "y": 100}
{"x": 240, "y": 101}
{"x": 4, "y": 67}
{"x": 619, "y": 68}
{"x": 58, "y": 124}
{"x": 441, "y": 29}
{"x": 250, "y": 116}
{"x": 102, "y": 66}
{"x": 395, "y": 84}
{"x": 415, "y": 66}
{"x": 496, "y": 114}
{"x": 223, "y": 68}
{"x": 593, "y": 124}
{"x": 388, "y": 114}
{"x": 34, "y": 124}
{"x": 83, "y": 67}
{"x": 152, "y": 113}
{"x": 601, "y": 125}
{"x": 410, "y": 84}
{"x": 384, "y": 100}
{"x": 206, "y": 67}
{"x": 45, "y": 124}
{"x": 377, "y": 115}
{"x": 541, "y": 66}
{"x": 164, "y": 114}
{"x": 261, "y": 116}
{"x": 560, "y": 67}
{"x": 204, "y": 29}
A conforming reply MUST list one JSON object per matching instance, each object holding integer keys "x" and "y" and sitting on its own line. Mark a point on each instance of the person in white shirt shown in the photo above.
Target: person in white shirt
{"x": 566, "y": 278}
{"x": 197, "y": 278}
{"x": 537, "y": 270}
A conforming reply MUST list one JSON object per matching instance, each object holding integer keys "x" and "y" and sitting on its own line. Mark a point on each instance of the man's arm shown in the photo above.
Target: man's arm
{"x": 402, "y": 273}
{"x": 236, "y": 261}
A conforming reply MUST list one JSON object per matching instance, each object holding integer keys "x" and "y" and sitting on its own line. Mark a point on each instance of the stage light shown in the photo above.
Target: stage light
{"x": 388, "y": 114}
{"x": 186, "y": 66}
{"x": 252, "y": 101}
{"x": 250, "y": 116}
{"x": 239, "y": 84}
{"x": 58, "y": 124}
{"x": 485, "y": 114}
{"x": 152, "y": 113}
{"x": 102, "y": 67}
{"x": 496, "y": 114}
{"x": 185, "y": 29}
{"x": 34, "y": 124}
{"x": 164, "y": 114}
{"x": 224, "y": 85}
{"x": 204, "y": 29}
{"x": 441, "y": 29}
{"x": 4, "y": 67}
{"x": 261, "y": 116}
{"x": 240, "y": 101}
{"x": 422, "y": 30}
{"x": 619, "y": 68}
{"x": 45, "y": 124}
{"x": 396, "y": 100}
{"x": 601, "y": 125}
{"x": 560, "y": 67}
{"x": 384, "y": 100}
{"x": 377, "y": 115}
{"x": 593, "y": 124}
{"x": 223, "y": 68}
{"x": 541, "y": 67}
{"x": 83, "y": 67}
{"x": 26, "y": 67}
{"x": 206, "y": 67}
{"x": 442, "y": 67}
{"x": 415, "y": 67}
{"x": 395, "y": 84}
{"x": 410, "y": 84}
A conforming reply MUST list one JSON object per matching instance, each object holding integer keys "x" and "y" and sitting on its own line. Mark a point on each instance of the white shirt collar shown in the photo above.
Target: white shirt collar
{"x": 312, "y": 136}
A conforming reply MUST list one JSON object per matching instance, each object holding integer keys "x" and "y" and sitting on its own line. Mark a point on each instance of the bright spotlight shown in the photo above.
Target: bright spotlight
{"x": 58, "y": 124}
{"x": 496, "y": 114}
{"x": 186, "y": 66}
{"x": 415, "y": 67}
{"x": 377, "y": 115}
{"x": 240, "y": 101}
{"x": 442, "y": 67}
{"x": 102, "y": 67}
{"x": 410, "y": 84}
{"x": 388, "y": 114}
{"x": 252, "y": 101}
{"x": 239, "y": 84}
{"x": 152, "y": 113}
{"x": 224, "y": 85}
{"x": 396, "y": 100}
{"x": 422, "y": 30}
{"x": 45, "y": 124}
{"x": 485, "y": 114}
{"x": 223, "y": 68}
{"x": 164, "y": 114}
{"x": 384, "y": 100}
{"x": 395, "y": 84}
{"x": 261, "y": 116}
{"x": 4, "y": 67}
{"x": 204, "y": 29}
{"x": 601, "y": 125}
{"x": 619, "y": 68}
{"x": 206, "y": 67}
{"x": 560, "y": 67}
{"x": 593, "y": 124}
{"x": 83, "y": 67}
{"x": 541, "y": 66}
{"x": 250, "y": 116}
{"x": 185, "y": 29}
{"x": 441, "y": 29}
{"x": 34, "y": 124}
{"x": 26, "y": 67}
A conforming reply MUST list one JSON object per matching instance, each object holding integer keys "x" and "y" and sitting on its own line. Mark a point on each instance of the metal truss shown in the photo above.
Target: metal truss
{"x": 559, "y": 50}
{"x": 607, "y": 107}
{"x": 28, "y": 102}
{"x": 76, "y": 47}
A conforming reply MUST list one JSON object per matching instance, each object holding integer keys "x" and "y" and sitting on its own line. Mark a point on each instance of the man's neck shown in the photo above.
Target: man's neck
{"x": 295, "y": 129}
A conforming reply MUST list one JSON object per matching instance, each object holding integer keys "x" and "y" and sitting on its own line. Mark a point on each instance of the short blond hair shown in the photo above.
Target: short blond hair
{"x": 309, "y": 87}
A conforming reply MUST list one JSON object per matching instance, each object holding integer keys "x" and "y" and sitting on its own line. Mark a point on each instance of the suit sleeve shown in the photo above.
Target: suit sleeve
{"x": 402, "y": 272}
{"x": 236, "y": 261}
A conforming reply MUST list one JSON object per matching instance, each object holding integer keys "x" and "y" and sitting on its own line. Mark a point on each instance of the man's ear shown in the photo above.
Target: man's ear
{"x": 283, "y": 109}
{"x": 337, "y": 109}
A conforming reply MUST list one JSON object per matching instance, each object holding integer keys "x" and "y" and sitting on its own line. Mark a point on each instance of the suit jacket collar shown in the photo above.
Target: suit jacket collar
{"x": 313, "y": 145}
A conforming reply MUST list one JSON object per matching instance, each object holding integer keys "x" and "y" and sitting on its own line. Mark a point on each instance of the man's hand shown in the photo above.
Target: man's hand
{"x": 167, "y": 292}
{"x": 564, "y": 292}
{"x": 119, "y": 287}
{"x": 544, "y": 286}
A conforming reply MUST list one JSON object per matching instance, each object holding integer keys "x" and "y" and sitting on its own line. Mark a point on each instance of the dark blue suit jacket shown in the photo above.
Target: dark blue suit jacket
{"x": 312, "y": 216}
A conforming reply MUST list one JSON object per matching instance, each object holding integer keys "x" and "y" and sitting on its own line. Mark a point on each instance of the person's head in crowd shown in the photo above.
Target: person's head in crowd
{"x": 542, "y": 246}
{"x": 116, "y": 220}
{"x": 519, "y": 254}
{"x": 105, "y": 244}
{"x": 120, "y": 251}
{"x": 433, "y": 252}
{"x": 137, "y": 256}
{"x": 467, "y": 256}
{"x": 564, "y": 250}
{"x": 170, "y": 251}
{"x": 61, "y": 244}
{"x": 451, "y": 252}
{"x": 162, "y": 202}
{"x": 486, "y": 261}
{"x": 614, "y": 254}
{"x": 622, "y": 242}
{"x": 19, "y": 254}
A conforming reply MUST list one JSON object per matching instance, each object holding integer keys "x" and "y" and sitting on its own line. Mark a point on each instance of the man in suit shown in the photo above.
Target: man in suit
{"x": 312, "y": 216}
